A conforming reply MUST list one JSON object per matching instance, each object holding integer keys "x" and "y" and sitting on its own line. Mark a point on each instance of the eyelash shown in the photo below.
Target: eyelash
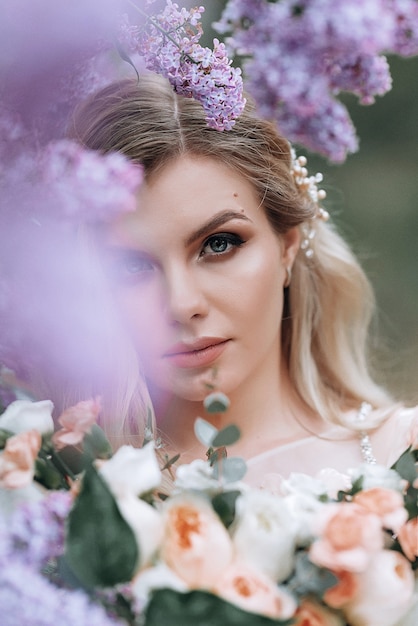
{"x": 130, "y": 268}
{"x": 230, "y": 239}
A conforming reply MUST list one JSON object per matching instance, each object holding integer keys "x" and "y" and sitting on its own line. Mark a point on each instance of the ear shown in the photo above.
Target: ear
{"x": 290, "y": 246}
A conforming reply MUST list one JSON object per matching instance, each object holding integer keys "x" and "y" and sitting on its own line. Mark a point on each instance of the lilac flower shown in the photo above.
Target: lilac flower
{"x": 406, "y": 26}
{"x": 299, "y": 55}
{"x": 36, "y": 63}
{"x": 26, "y": 597}
{"x": 169, "y": 45}
{"x": 37, "y": 529}
{"x": 86, "y": 185}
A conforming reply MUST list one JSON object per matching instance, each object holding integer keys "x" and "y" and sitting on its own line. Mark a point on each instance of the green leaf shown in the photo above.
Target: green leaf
{"x": 405, "y": 466}
{"x": 96, "y": 444}
{"x": 227, "y": 436}
{"x": 216, "y": 402}
{"x": 200, "y": 608}
{"x": 47, "y": 475}
{"x": 101, "y": 548}
{"x": 231, "y": 469}
{"x": 4, "y": 436}
{"x": 224, "y": 505}
{"x": 204, "y": 431}
{"x": 170, "y": 462}
{"x": 309, "y": 578}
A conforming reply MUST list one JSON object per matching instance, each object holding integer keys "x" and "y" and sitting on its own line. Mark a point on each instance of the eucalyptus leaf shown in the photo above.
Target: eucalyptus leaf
{"x": 100, "y": 548}
{"x": 309, "y": 578}
{"x": 230, "y": 469}
{"x": 200, "y": 608}
{"x": 405, "y": 466}
{"x": 204, "y": 431}
{"x": 224, "y": 505}
{"x": 96, "y": 444}
{"x": 216, "y": 402}
{"x": 227, "y": 436}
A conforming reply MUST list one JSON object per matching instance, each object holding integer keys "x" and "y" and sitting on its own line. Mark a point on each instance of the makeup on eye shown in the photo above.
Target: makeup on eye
{"x": 126, "y": 265}
{"x": 220, "y": 244}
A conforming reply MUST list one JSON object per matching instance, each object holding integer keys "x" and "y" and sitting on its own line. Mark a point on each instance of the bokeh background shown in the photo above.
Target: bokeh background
{"x": 373, "y": 198}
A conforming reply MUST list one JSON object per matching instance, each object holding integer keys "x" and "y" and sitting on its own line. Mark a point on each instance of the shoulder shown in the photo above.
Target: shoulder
{"x": 396, "y": 433}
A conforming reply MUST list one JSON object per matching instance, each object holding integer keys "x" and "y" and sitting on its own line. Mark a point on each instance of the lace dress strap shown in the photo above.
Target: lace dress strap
{"x": 365, "y": 443}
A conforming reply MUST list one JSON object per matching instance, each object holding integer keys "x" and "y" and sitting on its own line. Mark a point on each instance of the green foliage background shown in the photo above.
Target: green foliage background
{"x": 373, "y": 198}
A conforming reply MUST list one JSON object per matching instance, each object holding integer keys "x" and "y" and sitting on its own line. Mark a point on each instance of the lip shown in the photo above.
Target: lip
{"x": 198, "y": 353}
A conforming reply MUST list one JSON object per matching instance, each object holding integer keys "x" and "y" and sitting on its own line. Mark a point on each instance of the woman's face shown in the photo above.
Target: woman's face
{"x": 198, "y": 273}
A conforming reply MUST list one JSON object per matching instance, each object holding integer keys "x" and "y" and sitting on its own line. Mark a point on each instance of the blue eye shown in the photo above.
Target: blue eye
{"x": 221, "y": 243}
{"x": 127, "y": 267}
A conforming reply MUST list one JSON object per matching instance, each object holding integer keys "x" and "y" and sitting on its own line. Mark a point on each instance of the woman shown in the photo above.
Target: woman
{"x": 227, "y": 277}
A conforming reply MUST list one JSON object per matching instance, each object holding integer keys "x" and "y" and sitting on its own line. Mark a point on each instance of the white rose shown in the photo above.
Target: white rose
{"x": 303, "y": 484}
{"x": 196, "y": 475}
{"x": 263, "y": 533}
{"x": 304, "y": 509}
{"x": 131, "y": 471}
{"x": 377, "y": 476}
{"x": 146, "y": 524}
{"x": 385, "y": 591}
{"x": 23, "y": 415}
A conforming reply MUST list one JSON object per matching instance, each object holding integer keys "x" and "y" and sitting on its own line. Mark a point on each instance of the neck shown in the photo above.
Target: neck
{"x": 266, "y": 409}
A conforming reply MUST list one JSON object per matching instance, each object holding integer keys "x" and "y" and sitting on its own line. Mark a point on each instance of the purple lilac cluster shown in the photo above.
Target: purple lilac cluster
{"x": 299, "y": 55}
{"x": 86, "y": 185}
{"x": 169, "y": 44}
{"x": 28, "y": 539}
{"x": 37, "y": 529}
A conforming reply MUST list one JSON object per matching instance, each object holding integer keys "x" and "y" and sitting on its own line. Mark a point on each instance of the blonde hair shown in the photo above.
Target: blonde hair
{"x": 329, "y": 302}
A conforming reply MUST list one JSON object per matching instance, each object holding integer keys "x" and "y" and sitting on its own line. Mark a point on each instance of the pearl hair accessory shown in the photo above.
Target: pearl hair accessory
{"x": 309, "y": 185}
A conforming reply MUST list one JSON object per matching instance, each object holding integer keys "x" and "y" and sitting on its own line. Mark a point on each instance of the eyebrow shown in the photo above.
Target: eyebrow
{"x": 213, "y": 223}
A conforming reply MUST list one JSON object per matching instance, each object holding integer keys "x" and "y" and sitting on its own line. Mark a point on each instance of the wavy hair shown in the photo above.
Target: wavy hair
{"x": 329, "y": 303}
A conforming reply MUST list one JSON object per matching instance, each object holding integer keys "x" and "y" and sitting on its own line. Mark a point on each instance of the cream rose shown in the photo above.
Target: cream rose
{"x": 348, "y": 537}
{"x": 385, "y": 591}
{"x": 386, "y": 504}
{"x": 263, "y": 533}
{"x": 408, "y": 538}
{"x": 131, "y": 471}
{"x": 251, "y": 590}
{"x": 18, "y": 458}
{"x": 196, "y": 545}
{"x": 76, "y": 421}
{"x": 23, "y": 415}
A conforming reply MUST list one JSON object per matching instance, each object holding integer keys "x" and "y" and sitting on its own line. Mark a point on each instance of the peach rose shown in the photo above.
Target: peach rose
{"x": 17, "y": 460}
{"x": 196, "y": 545}
{"x": 76, "y": 422}
{"x": 385, "y": 591}
{"x": 253, "y": 591}
{"x": 386, "y": 504}
{"x": 343, "y": 591}
{"x": 408, "y": 538}
{"x": 312, "y": 614}
{"x": 348, "y": 537}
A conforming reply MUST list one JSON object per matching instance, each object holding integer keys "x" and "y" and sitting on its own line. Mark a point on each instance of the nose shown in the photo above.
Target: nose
{"x": 184, "y": 295}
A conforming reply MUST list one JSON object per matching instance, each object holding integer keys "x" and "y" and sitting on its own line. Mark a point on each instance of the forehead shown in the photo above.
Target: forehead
{"x": 182, "y": 195}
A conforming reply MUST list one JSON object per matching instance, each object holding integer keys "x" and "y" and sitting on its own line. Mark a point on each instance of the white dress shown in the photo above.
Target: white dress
{"x": 337, "y": 448}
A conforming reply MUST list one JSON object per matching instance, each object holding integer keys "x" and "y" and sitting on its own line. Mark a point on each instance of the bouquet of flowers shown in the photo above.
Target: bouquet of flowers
{"x": 90, "y": 537}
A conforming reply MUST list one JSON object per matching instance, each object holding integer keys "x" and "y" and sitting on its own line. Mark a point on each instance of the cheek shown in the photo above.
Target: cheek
{"x": 141, "y": 314}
